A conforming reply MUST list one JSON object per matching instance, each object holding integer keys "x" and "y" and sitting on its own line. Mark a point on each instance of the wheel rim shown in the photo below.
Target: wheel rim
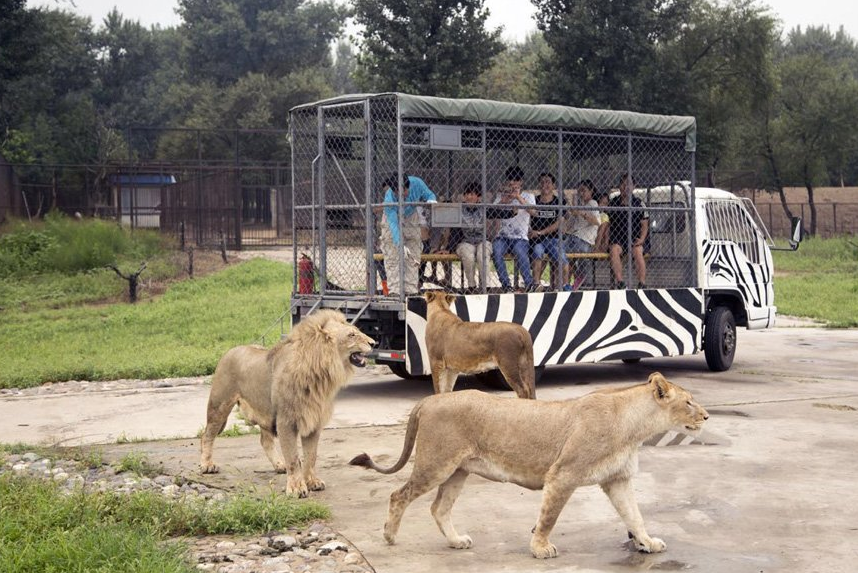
{"x": 729, "y": 340}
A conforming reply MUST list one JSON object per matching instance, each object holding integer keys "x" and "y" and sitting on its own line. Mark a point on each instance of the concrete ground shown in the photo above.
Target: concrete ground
{"x": 774, "y": 489}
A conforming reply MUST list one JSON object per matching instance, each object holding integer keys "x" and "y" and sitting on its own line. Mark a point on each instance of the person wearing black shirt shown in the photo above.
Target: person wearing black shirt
{"x": 618, "y": 233}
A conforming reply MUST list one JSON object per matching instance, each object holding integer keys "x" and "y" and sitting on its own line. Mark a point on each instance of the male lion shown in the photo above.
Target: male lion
{"x": 457, "y": 346}
{"x": 288, "y": 391}
{"x": 554, "y": 446}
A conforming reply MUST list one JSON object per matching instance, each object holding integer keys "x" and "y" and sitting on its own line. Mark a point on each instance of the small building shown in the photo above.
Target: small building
{"x": 138, "y": 197}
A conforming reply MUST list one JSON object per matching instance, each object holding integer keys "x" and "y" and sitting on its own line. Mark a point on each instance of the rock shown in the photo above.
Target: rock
{"x": 283, "y": 542}
{"x": 30, "y": 457}
{"x": 171, "y": 490}
{"x": 302, "y": 553}
{"x": 352, "y": 559}
{"x": 225, "y": 545}
{"x": 329, "y": 548}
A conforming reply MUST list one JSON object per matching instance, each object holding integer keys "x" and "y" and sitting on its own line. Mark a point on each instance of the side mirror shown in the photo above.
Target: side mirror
{"x": 795, "y": 234}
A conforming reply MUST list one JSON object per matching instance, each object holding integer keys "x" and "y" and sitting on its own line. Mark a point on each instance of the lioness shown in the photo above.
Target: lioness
{"x": 288, "y": 391}
{"x": 456, "y": 346}
{"x": 554, "y": 446}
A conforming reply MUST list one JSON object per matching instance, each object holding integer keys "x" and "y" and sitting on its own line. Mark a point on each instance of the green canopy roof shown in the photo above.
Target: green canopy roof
{"x": 487, "y": 111}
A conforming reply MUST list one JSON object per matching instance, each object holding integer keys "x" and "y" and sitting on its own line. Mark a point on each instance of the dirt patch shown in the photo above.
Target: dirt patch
{"x": 205, "y": 263}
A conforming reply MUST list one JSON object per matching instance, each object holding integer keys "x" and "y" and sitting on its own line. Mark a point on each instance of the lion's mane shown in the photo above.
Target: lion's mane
{"x": 308, "y": 369}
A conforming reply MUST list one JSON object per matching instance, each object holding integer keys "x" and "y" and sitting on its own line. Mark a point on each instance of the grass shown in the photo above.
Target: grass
{"x": 44, "y": 529}
{"x": 63, "y": 262}
{"x": 182, "y": 333}
{"x": 138, "y": 463}
{"x": 819, "y": 281}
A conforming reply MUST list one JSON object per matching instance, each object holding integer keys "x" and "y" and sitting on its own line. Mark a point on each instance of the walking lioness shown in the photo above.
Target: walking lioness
{"x": 456, "y": 346}
{"x": 553, "y": 446}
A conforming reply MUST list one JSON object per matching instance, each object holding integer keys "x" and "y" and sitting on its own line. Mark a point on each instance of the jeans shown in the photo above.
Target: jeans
{"x": 550, "y": 247}
{"x": 520, "y": 250}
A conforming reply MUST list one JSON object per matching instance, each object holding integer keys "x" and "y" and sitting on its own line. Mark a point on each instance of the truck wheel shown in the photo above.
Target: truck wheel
{"x": 631, "y": 360}
{"x": 719, "y": 339}
{"x": 494, "y": 378}
{"x": 399, "y": 369}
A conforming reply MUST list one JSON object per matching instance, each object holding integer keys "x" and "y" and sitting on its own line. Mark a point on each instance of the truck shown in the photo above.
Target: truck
{"x": 708, "y": 253}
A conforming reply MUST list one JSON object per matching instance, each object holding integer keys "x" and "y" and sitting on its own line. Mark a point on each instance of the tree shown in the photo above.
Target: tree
{"x": 256, "y": 101}
{"x": 345, "y": 65}
{"x": 513, "y": 73}
{"x": 428, "y": 47}
{"x": 227, "y": 39}
{"x": 718, "y": 70}
{"x": 811, "y": 131}
{"x": 600, "y": 48}
{"x": 51, "y": 104}
{"x": 19, "y": 32}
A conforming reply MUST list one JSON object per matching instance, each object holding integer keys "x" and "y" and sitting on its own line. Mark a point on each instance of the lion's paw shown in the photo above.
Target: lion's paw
{"x": 209, "y": 469}
{"x": 296, "y": 487}
{"x": 652, "y": 545}
{"x": 280, "y": 468}
{"x": 315, "y": 484}
{"x": 543, "y": 550}
{"x": 460, "y": 542}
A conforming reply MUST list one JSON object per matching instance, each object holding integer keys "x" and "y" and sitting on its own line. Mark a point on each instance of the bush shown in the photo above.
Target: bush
{"x": 24, "y": 252}
{"x": 69, "y": 246}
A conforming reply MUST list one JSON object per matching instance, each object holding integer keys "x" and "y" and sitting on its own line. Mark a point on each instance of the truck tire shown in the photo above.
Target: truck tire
{"x": 494, "y": 378}
{"x": 399, "y": 369}
{"x": 719, "y": 339}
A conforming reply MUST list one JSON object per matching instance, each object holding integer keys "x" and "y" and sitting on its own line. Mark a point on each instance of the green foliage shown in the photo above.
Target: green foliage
{"x": 65, "y": 245}
{"x": 819, "y": 281}
{"x": 138, "y": 463}
{"x": 418, "y": 46}
{"x": 227, "y": 40}
{"x": 43, "y": 529}
{"x": 513, "y": 72}
{"x": 182, "y": 333}
{"x": 602, "y": 49}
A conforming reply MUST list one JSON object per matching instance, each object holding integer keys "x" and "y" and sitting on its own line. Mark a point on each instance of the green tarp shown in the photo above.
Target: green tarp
{"x": 486, "y": 111}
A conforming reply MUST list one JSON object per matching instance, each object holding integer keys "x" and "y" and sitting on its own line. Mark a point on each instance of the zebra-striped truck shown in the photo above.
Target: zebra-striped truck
{"x": 708, "y": 255}
{"x": 733, "y": 268}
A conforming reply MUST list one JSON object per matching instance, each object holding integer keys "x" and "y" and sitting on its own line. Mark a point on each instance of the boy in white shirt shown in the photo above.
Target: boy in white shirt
{"x": 512, "y": 237}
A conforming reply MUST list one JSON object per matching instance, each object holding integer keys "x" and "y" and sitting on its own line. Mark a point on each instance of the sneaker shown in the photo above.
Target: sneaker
{"x": 620, "y": 285}
{"x": 533, "y": 288}
{"x": 641, "y": 286}
{"x": 578, "y": 280}
{"x": 507, "y": 289}
{"x": 568, "y": 288}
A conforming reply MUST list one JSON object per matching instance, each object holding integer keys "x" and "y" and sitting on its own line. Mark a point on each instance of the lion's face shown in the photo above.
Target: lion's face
{"x": 353, "y": 345}
{"x": 686, "y": 414}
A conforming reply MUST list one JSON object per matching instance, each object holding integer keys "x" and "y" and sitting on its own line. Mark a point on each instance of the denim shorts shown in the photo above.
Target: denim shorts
{"x": 575, "y": 244}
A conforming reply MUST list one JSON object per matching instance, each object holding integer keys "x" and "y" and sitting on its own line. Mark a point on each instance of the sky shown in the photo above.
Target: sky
{"x": 516, "y": 16}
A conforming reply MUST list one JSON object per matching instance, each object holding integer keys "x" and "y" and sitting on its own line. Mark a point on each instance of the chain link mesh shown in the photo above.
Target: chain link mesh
{"x": 344, "y": 153}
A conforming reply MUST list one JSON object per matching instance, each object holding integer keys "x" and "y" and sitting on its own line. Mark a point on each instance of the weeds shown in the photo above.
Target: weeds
{"x": 137, "y": 463}
{"x": 44, "y": 529}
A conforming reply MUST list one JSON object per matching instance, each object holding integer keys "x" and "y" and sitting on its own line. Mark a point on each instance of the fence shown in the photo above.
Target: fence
{"x": 230, "y": 184}
{"x": 346, "y": 151}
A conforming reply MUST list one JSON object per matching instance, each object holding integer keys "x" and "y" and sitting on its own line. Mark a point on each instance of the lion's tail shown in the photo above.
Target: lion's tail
{"x": 365, "y": 461}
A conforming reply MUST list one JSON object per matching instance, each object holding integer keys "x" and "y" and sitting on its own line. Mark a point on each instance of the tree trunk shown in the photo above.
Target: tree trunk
{"x": 776, "y": 178}
{"x": 812, "y": 204}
